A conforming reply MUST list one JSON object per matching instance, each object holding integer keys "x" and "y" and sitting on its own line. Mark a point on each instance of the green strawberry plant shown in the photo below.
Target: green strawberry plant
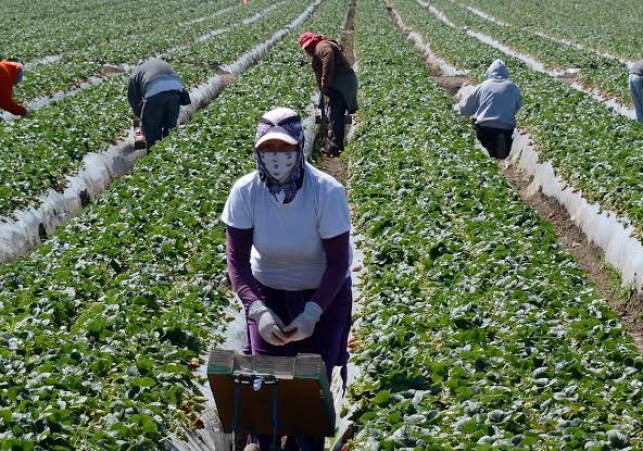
{"x": 477, "y": 330}
{"x": 99, "y": 325}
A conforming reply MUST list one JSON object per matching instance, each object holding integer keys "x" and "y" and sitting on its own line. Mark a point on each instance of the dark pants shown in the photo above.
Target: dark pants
{"x": 497, "y": 141}
{"x": 330, "y": 340}
{"x": 337, "y": 111}
{"x": 159, "y": 115}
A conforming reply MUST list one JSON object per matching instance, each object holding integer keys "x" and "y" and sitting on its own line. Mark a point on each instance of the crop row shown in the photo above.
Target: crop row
{"x": 50, "y": 28}
{"x": 167, "y": 34}
{"x": 98, "y": 325}
{"x": 607, "y": 75}
{"x": 594, "y": 150}
{"x": 39, "y": 152}
{"x": 478, "y": 331}
{"x": 605, "y": 27}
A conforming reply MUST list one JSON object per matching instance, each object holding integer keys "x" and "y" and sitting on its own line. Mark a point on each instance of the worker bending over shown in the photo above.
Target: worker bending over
{"x": 10, "y": 75}
{"x": 494, "y": 103}
{"x": 336, "y": 80}
{"x": 156, "y": 93}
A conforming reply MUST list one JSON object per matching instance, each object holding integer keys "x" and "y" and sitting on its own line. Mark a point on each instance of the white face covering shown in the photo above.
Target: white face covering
{"x": 279, "y": 164}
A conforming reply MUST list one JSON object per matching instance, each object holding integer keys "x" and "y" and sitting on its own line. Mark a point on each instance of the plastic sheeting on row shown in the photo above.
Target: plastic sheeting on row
{"x": 44, "y": 60}
{"x": 437, "y": 13}
{"x": 310, "y": 126}
{"x": 625, "y": 61}
{"x": 423, "y": 47}
{"x": 484, "y": 15}
{"x": 603, "y": 228}
{"x": 220, "y": 31}
{"x": 611, "y": 103}
{"x": 30, "y": 226}
{"x": 532, "y": 63}
{"x": 537, "y": 66}
{"x": 565, "y": 42}
{"x": 55, "y": 58}
{"x": 126, "y": 68}
{"x": 210, "y": 16}
{"x": 45, "y": 100}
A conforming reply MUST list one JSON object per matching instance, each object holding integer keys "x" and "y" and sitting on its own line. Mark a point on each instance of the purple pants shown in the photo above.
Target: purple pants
{"x": 330, "y": 339}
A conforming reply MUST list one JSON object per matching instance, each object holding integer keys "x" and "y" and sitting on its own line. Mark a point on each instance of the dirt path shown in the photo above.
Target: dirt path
{"x": 628, "y": 305}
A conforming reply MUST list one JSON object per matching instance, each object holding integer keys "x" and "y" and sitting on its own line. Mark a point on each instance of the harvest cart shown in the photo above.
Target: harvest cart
{"x": 269, "y": 395}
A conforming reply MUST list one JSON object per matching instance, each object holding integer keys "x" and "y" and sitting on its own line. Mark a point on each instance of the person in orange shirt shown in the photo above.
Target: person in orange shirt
{"x": 10, "y": 75}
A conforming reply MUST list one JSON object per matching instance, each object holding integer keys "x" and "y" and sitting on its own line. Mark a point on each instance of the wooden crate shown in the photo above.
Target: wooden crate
{"x": 304, "y": 404}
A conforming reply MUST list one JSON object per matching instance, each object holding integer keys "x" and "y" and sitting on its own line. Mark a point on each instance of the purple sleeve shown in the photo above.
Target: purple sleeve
{"x": 337, "y": 252}
{"x": 238, "y": 247}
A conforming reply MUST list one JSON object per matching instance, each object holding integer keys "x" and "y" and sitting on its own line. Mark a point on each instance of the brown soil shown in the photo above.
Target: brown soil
{"x": 111, "y": 70}
{"x": 591, "y": 258}
{"x": 568, "y": 79}
{"x": 336, "y": 167}
{"x": 347, "y": 33}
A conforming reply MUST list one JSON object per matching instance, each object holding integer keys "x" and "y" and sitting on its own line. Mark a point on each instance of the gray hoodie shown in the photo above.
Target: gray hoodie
{"x": 151, "y": 77}
{"x": 637, "y": 68}
{"x": 495, "y": 101}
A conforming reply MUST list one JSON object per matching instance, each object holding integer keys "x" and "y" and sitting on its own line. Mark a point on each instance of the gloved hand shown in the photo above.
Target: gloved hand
{"x": 303, "y": 326}
{"x": 269, "y": 324}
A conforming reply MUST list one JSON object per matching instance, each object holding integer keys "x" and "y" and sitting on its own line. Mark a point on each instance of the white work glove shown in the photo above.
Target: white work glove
{"x": 303, "y": 326}
{"x": 269, "y": 324}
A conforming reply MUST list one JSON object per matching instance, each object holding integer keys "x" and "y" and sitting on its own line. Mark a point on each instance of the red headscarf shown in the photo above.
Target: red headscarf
{"x": 309, "y": 40}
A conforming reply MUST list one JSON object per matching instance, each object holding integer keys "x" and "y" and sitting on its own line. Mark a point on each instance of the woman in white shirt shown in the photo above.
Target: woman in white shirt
{"x": 288, "y": 251}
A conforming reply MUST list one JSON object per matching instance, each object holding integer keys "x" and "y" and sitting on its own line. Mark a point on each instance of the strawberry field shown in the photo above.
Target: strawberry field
{"x": 477, "y": 330}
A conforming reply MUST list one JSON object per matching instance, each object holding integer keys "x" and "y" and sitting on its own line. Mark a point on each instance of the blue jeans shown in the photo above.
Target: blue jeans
{"x": 636, "y": 90}
{"x": 159, "y": 115}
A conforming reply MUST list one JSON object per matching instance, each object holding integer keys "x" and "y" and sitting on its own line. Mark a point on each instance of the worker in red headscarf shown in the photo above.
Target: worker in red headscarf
{"x": 336, "y": 80}
{"x": 10, "y": 75}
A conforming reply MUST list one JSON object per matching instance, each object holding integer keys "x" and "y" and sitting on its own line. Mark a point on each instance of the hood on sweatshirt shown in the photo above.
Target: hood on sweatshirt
{"x": 498, "y": 69}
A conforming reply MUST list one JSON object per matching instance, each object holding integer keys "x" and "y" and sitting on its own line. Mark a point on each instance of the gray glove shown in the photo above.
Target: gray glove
{"x": 303, "y": 326}
{"x": 269, "y": 324}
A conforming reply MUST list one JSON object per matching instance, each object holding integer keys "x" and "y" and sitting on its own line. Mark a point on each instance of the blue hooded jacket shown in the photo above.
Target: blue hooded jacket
{"x": 495, "y": 101}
